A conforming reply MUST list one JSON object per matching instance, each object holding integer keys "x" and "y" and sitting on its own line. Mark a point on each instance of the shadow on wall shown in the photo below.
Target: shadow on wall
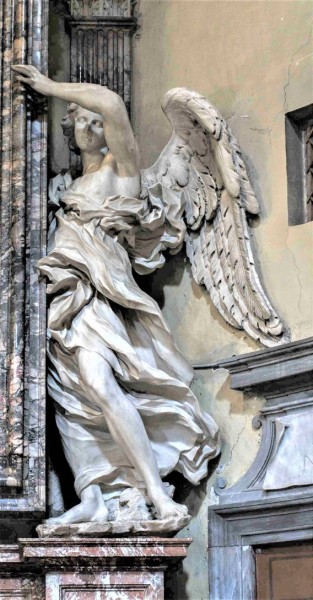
{"x": 176, "y": 582}
{"x": 61, "y": 494}
{"x": 170, "y": 274}
{"x": 192, "y": 495}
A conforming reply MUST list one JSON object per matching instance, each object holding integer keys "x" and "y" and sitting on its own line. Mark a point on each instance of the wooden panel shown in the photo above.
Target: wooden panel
{"x": 285, "y": 573}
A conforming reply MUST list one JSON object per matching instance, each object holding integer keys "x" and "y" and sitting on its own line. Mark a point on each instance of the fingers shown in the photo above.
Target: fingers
{"x": 24, "y": 69}
{"x": 26, "y": 73}
{"x": 24, "y": 79}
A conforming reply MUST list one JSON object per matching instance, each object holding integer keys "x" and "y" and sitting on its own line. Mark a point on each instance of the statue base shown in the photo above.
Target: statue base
{"x": 114, "y": 528}
{"x": 51, "y": 568}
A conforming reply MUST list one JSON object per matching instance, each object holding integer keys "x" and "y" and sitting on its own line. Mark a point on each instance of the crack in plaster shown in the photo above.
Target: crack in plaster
{"x": 284, "y": 110}
{"x": 287, "y": 84}
{"x": 268, "y": 131}
{"x": 221, "y": 467}
{"x": 298, "y": 273}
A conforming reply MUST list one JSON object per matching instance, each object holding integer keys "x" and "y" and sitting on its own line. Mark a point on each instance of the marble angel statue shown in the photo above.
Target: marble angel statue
{"x": 124, "y": 409}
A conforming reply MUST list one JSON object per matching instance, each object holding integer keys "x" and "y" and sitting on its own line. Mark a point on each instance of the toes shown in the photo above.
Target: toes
{"x": 52, "y": 521}
{"x": 175, "y": 511}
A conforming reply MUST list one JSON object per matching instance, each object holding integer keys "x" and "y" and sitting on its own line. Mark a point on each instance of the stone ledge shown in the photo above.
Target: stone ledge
{"x": 276, "y": 370}
{"x": 108, "y": 550}
{"x": 166, "y": 527}
{"x": 130, "y": 567}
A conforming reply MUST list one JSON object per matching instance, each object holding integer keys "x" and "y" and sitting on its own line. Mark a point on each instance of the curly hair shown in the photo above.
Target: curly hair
{"x": 68, "y": 126}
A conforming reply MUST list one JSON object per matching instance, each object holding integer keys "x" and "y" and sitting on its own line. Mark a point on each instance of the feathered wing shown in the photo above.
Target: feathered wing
{"x": 203, "y": 168}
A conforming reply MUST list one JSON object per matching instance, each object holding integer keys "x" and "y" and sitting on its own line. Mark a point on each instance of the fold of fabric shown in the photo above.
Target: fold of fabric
{"x": 97, "y": 305}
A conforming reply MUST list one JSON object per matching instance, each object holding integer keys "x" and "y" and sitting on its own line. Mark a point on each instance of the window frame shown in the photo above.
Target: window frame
{"x": 297, "y": 123}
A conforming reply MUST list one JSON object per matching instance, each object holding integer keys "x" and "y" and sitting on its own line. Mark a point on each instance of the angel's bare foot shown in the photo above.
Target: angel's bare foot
{"x": 91, "y": 508}
{"x": 166, "y": 507}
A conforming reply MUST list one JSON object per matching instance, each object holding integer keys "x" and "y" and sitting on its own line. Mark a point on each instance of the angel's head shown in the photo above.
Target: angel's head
{"x": 84, "y": 130}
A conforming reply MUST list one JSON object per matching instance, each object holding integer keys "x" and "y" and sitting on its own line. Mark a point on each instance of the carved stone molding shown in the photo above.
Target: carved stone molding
{"x": 21, "y": 588}
{"x": 235, "y": 533}
{"x": 131, "y": 568}
{"x": 272, "y": 503}
{"x": 271, "y": 372}
{"x": 284, "y": 376}
{"x": 22, "y": 305}
{"x": 101, "y": 53}
{"x": 101, "y": 43}
{"x": 101, "y": 8}
{"x": 101, "y": 33}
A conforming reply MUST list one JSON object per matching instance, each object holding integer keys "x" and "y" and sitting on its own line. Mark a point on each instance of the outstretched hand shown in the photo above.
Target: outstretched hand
{"x": 30, "y": 75}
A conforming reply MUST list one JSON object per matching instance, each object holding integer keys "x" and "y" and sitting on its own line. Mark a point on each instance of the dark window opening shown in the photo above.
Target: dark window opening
{"x": 299, "y": 148}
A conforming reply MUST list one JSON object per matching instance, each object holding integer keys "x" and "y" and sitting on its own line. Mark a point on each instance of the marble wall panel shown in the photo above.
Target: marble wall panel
{"x": 22, "y": 241}
{"x": 89, "y": 568}
{"x": 21, "y": 588}
{"x": 105, "y": 586}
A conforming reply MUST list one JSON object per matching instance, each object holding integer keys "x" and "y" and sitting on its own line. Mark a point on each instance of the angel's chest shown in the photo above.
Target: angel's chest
{"x": 106, "y": 183}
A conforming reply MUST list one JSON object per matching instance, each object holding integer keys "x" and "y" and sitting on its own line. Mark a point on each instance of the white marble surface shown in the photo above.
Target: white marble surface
{"x": 126, "y": 414}
{"x": 107, "y": 528}
{"x": 291, "y": 463}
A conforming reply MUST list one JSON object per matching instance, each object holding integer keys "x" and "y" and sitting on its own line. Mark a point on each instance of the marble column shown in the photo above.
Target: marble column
{"x": 23, "y": 200}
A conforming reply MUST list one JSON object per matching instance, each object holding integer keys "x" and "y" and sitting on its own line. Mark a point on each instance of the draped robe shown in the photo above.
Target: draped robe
{"x": 97, "y": 305}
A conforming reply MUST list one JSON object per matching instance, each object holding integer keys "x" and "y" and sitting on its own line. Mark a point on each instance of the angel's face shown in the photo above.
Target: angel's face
{"x": 89, "y": 134}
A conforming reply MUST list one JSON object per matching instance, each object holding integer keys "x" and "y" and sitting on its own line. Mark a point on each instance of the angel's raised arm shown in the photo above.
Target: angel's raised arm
{"x": 96, "y": 98}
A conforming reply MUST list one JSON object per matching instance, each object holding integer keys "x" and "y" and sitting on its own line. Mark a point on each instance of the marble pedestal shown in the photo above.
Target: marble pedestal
{"x": 88, "y": 569}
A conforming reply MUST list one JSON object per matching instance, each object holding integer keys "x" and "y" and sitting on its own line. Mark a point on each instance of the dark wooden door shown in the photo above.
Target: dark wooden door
{"x": 285, "y": 572}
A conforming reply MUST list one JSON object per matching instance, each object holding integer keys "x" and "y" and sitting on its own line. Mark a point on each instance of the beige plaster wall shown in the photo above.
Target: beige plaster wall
{"x": 253, "y": 60}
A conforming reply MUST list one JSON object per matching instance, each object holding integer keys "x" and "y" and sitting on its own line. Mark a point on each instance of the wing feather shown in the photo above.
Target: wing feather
{"x": 203, "y": 163}
{"x": 224, "y": 158}
{"x": 201, "y": 251}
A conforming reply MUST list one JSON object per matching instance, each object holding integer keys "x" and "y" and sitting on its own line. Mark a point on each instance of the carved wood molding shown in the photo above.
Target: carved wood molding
{"x": 22, "y": 305}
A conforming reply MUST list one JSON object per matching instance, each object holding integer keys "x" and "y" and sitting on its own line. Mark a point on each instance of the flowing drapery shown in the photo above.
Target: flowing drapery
{"x": 97, "y": 305}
